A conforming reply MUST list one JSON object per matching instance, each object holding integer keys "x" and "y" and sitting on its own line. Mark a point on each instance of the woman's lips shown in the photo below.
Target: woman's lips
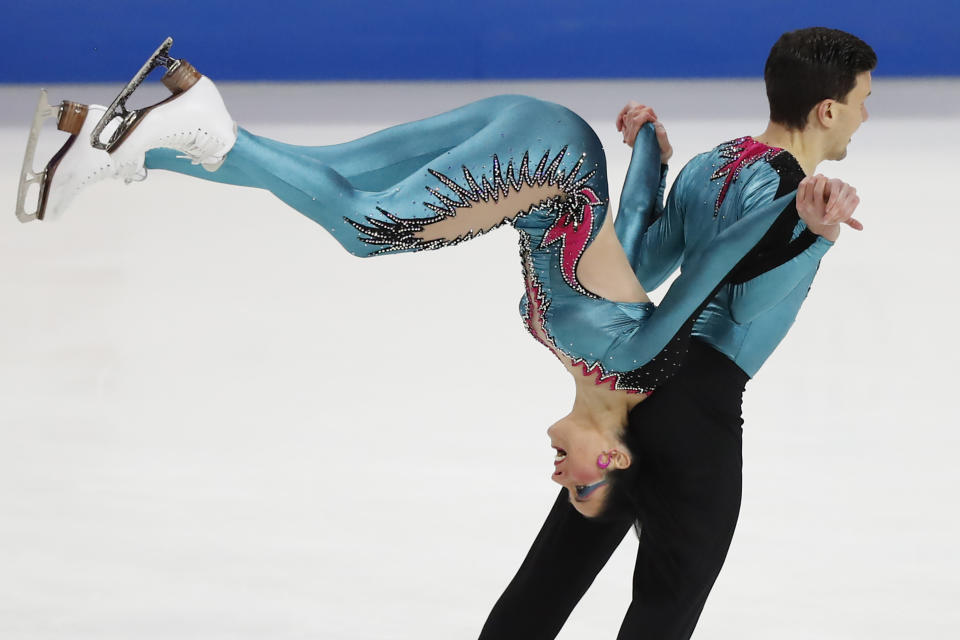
{"x": 560, "y": 457}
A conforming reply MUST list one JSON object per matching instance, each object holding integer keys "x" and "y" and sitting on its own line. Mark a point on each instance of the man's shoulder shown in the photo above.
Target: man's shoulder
{"x": 730, "y": 156}
{"x": 744, "y": 162}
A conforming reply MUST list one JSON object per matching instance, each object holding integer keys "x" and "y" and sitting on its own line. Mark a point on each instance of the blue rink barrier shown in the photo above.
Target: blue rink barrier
{"x": 107, "y": 40}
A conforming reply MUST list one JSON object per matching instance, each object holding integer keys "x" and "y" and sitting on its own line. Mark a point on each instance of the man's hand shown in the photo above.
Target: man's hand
{"x": 825, "y": 204}
{"x": 635, "y": 115}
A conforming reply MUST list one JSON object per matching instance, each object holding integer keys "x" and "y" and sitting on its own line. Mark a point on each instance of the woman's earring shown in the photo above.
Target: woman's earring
{"x": 605, "y": 458}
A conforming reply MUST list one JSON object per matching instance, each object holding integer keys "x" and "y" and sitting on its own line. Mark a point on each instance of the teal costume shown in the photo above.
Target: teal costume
{"x": 714, "y": 194}
{"x": 686, "y": 440}
{"x": 391, "y": 191}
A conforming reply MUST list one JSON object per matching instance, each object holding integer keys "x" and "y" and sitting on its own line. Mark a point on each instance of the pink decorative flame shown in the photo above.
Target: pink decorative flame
{"x": 573, "y": 236}
{"x": 741, "y": 153}
{"x": 574, "y": 241}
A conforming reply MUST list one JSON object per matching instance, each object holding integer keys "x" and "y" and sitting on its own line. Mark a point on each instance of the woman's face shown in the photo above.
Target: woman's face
{"x": 575, "y": 465}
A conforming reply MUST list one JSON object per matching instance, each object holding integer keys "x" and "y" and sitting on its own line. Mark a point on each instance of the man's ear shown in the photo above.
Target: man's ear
{"x": 824, "y": 113}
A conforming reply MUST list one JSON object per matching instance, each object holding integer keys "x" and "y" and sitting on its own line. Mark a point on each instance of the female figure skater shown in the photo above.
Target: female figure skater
{"x": 438, "y": 182}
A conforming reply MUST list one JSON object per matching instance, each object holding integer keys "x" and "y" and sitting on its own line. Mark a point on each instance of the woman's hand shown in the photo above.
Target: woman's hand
{"x": 824, "y": 204}
{"x": 635, "y": 115}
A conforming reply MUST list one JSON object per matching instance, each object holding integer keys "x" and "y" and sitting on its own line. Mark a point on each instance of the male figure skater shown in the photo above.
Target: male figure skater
{"x": 685, "y": 486}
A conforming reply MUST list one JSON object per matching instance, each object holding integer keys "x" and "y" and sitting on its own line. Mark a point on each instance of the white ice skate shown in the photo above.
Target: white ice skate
{"x": 193, "y": 121}
{"x": 76, "y": 165}
{"x": 111, "y": 141}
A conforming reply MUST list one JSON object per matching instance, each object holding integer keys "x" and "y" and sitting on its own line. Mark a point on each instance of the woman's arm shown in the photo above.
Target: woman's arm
{"x": 755, "y": 296}
{"x": 822, "y": 205}
{"x": 655, "y": 343}
{"x": 652, "y": 236}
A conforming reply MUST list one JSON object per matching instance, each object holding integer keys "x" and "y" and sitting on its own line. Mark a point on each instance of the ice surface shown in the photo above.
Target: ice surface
{"x": 215, "y": 423}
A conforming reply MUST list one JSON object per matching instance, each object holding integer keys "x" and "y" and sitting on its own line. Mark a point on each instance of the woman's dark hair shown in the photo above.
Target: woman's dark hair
{"x": 810, "y": 65}
{"x": 622, "y": 502}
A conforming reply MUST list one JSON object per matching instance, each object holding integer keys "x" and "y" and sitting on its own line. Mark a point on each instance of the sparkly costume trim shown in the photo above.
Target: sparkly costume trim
{"x": 778, "y": 245}
{"x": 400, "y": 234}
{"x": 741, "y": 153}
{"x": 573, "y": 236}
{"x": 535, "y": 317}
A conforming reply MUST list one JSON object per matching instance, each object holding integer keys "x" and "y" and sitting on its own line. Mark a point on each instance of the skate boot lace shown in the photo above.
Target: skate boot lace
{"x": 139, "y": 175}
{"x": 197, "y": 146}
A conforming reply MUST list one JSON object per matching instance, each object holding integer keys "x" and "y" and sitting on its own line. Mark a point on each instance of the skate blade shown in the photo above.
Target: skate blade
{"x": 118, "y": 108}
{"x": 27, "y": 175}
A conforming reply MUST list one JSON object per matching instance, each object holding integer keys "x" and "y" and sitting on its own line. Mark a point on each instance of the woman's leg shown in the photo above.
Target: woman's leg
{"x": 425, "y": 184}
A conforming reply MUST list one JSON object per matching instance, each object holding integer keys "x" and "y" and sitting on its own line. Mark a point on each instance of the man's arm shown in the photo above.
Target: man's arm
{"x": 822, "y": 205}
{"x": 753, "y": 297}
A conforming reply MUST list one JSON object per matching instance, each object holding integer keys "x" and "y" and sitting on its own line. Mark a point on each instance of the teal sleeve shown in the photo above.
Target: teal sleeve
{"x": 753, "y": 297}
{"x": 651, "y": 234}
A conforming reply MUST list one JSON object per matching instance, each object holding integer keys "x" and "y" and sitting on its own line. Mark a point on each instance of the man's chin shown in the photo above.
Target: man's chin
{"x": 839, "y": 155}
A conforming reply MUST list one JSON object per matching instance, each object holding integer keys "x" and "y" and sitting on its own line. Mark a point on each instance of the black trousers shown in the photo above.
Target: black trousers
{"x": 690, "y": 497}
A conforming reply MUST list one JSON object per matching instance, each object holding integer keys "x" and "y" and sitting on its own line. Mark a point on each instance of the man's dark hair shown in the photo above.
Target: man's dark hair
{"x": 810, "y": 65}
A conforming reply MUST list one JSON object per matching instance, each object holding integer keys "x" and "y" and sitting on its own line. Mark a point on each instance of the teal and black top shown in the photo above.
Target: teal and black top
{"x": 714, "y": 194}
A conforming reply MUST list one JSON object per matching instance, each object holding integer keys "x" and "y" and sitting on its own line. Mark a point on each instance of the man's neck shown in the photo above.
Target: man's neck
{"x": 802, "y": 145}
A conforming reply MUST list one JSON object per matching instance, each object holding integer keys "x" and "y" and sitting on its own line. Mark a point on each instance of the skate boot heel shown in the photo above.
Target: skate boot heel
{"x": 180, "y": 77}
{"x": 71, "y": 117}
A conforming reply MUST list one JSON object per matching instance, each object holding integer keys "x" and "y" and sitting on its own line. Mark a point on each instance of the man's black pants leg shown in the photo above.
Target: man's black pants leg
{"x": 690, "y": 495}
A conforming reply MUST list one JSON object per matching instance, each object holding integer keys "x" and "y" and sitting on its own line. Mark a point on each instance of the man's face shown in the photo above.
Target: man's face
{"x": 849, "y": 115}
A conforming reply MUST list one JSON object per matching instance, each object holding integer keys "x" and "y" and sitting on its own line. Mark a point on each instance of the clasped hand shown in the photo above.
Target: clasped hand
{"x": 635, "y": 115}
{"x": 824, "y": 204}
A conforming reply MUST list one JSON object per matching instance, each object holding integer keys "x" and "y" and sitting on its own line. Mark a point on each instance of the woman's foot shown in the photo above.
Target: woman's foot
{"x": 112, "y": 141}
{"x": 193, "y": 121}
